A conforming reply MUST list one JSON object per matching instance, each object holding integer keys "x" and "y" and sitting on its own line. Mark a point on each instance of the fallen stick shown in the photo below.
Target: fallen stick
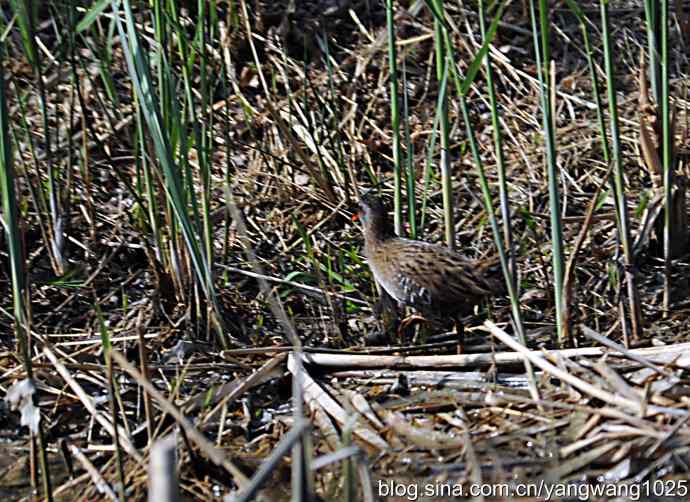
{"x": 539, "y": 360}
{"x": 679, "y": 354}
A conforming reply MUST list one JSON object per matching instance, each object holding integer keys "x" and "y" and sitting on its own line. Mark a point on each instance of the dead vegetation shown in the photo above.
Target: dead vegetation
{"x": 284, "y": 118}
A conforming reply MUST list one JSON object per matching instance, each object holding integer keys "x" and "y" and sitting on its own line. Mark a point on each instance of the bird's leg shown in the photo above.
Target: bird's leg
{"x": 387, "y": 309}
{"x": 409, "y": 322}
{"x": 424, "y": 332}
{"x": 460, "y": 332}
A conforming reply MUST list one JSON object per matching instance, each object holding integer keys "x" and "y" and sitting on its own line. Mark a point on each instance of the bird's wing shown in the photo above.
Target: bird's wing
{"x": 431, "y": 273}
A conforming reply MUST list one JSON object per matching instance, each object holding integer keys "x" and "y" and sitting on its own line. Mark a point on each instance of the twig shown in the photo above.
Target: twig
{"x": 231, "y": 390}
{"x": 293, "y": 284}
{"x": 101, "y": 484}
{"x": 570, "y": 265}
{"x": 88, "y": 404}
{"x": 268, "y": 465}
{"x": 635, "y": 355}
{"x": 574, "y": 381}
{"x": 215, "y": 455}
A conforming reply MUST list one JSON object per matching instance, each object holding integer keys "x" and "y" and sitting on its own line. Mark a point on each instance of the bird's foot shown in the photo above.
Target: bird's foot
{"x": 407, "y": 326}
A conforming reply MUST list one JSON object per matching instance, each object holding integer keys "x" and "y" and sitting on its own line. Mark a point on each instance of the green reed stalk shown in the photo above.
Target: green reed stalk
{"x": 20, "y": 293}
{"x": 428, "y": 160}
{"x": 500, "y": 159}
{"x": 332, "y": 102}
{"x": 575, "y": 8}
{"x": 201, "y": 128}
{"x": 619, "y": 177}
{"x": 446, "y": 178}
{"x": 667, "y": 153}
{"x": 410, "y": 175}
{"x": 543, "y": 60}
{"x": 395, "y": 118}
{"x": 165, "y": 138}
{"x": 651, "y": 12}
{"x": 25, "y": 11}
{"x": 505, "y": 267}
{"x": 606, "y": 150}
{"x": 462, "y": 87}
{"x": 36, "y": 191}
{"x": 204, "y": 126}
{"x": 149, "y": 186}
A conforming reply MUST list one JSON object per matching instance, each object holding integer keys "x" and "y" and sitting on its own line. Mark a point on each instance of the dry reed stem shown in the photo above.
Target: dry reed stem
{"x": 88, "y": 404}
{"x": 576, "y": 382}
{"x": 312, "y": 391}
{"x": 213, "y": 453}
{"x": 163, "y": 485}
{"x": 678, "y": 354}
{"x": 101, "y": 484}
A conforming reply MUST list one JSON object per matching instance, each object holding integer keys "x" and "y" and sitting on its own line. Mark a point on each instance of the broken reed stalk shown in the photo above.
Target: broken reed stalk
{"x": 624, "y": 227}
{"x": 630, "y": 354}
{"x": 231, "y": 390}
{"x": 287, "y": 443}
{"x": 631, "y": 406}
{"x": 92, "y": 471}
{"x": 365, "y": 480}
{"x": 678, "y": 354}
{"x": 395, "y": 119}
{"x": 320, "y": 400}
{"x": 163, "y": 483}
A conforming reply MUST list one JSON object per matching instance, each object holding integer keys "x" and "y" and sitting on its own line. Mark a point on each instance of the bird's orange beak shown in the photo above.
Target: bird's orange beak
{"x": 355, "y": 217}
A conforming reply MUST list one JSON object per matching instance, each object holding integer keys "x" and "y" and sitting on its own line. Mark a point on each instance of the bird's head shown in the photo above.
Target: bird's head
{"x": 370, "y": 209}
{"x": 372, "y": 213}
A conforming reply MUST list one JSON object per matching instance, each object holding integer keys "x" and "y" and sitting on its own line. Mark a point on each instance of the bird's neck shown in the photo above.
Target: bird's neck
{"x": 377, "y": 230}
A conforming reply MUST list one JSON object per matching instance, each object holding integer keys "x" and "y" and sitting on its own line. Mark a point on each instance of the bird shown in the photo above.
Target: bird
{"x": 431, "y": 278}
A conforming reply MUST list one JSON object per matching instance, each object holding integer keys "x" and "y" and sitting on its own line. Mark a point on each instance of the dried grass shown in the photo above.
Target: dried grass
{"x": 302, "y": 144}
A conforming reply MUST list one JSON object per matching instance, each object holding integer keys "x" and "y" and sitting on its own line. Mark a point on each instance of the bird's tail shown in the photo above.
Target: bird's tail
{"x": 490, "y": 270}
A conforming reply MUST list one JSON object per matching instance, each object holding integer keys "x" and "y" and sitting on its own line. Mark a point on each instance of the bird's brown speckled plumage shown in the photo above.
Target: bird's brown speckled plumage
{"x": 428, "y": 277}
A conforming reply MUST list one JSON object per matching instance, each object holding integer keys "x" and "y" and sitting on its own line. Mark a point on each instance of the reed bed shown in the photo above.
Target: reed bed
{"x": 183, "y": 301}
